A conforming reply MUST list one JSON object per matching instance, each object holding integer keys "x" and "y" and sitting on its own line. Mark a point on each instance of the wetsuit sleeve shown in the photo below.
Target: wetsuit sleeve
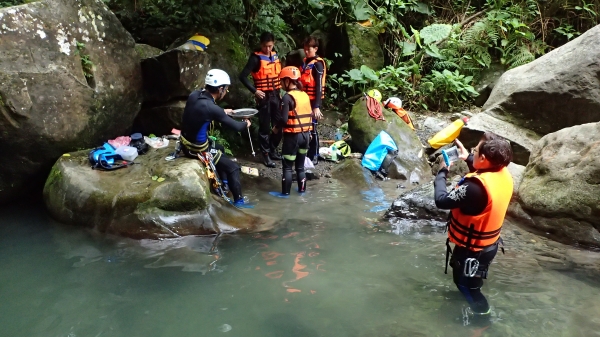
{"x": 219, "y": 115}
{"x": 253, "y": 65}
{"x": 470, "y": 195}
{"x": 317, "y": 74}
{"x": 469, "y": 162}
{"x": 287, "y": 104}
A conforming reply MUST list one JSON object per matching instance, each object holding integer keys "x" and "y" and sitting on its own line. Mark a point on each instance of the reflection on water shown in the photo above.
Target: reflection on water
{"x": 329, "y": 269}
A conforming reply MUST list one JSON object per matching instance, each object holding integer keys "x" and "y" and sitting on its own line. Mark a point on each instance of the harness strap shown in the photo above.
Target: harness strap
{"x": 448, "y": 253}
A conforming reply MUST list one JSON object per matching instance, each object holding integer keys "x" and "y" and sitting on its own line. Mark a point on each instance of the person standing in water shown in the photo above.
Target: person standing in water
{"x": 313, "y": 82}
{"x": 477, "y": 205}
{"x": 264, "y": 65}
{"x": 296, "y": 124}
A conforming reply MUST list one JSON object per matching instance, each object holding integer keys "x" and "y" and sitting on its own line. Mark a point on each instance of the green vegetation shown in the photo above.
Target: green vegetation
{"x": 434, "y": 51}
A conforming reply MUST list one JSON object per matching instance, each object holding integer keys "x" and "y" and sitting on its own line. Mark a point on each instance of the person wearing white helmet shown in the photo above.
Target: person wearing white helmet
{"x": 395, "y": 104}
{"x": 200, "y": 110}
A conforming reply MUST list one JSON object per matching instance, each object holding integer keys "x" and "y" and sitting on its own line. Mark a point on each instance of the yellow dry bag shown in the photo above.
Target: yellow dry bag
{"x": 448, "y": 134}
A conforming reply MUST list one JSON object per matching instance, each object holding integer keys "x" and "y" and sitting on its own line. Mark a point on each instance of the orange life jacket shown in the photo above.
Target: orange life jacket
{"x": 300, "y": 118}
{"x": 476, "y": 232}
{"x": 267, "y": 76}
{"x": 308, "y": 81}
{"x": 402, "y": 114}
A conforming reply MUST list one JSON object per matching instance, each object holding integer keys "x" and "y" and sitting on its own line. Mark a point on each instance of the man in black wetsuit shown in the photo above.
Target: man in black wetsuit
{"x": 478, "y": 204}
{"x": 200, "y": 110}
{"x": 264, "y": 65}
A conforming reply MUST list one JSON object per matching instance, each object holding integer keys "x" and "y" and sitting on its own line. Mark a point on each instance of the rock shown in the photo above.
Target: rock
{"x": 146, "y": 51}
{"x": 175, "y": 73}
{"x": 560, "y": 189}
{"x": 47, "y": 104}
{"x": 357, "y": 45}
{"x": 488, "y": 79}
{"x": 418, "y": 203}
{"x": 433, "y": 125}
{"x": 557, "y": 90}
{"x": 516, "y": 171}
{"x": 129, "y": 203}
{"x": 353, "y": 174}
{"x": 411, "y": 157}
{"x": 295, "y": 58}
{"x": 161, "y": 119}
{"x": 521, "y": 139}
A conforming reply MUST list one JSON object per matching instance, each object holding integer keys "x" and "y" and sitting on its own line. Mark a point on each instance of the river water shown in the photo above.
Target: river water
{"x": 330, "y": 268}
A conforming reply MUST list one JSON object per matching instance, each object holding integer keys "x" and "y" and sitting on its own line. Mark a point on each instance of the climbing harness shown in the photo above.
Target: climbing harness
{"x": 471, "y": 267}
{"x": 374, "y": 108}
{"x": 211, "y": 172}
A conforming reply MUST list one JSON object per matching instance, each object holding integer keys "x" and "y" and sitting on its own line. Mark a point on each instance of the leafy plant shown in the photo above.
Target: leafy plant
{"x": 446, "y": 89}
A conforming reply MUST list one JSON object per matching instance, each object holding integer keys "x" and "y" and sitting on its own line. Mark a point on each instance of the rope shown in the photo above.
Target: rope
{"x": 374, "y": 108}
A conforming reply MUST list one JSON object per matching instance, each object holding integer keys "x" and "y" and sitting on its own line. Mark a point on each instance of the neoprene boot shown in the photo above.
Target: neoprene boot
{"x": 267, "y": 160}
{"x": 274, "y": 154}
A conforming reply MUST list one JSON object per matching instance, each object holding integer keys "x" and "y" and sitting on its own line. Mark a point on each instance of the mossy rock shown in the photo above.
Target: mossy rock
{"x": 364, "y": 47}
{"x": 411, "y": 163}
{"x": 146, "y": 51}
{"x": 129, "y": 202}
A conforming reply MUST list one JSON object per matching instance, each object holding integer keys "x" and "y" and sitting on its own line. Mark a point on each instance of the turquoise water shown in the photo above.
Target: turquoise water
{"x": 330, "y": 268}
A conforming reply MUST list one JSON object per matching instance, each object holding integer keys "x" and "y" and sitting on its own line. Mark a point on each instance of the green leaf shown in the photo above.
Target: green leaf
{"x": 160, "y": 180}
{"x": 362, "y": 11}
{"x": 422, "y": 8}
{"x": 355, "y": 75}
{"x": 368, "y": 73}
{"x": 408, "y": 48}
{"x": 416, "y": 35}
{"x": 154, "y": 177}
{"x": 504, "y": 42}
{"x": 433, "y": 51}
{"x": 435, "y": 33}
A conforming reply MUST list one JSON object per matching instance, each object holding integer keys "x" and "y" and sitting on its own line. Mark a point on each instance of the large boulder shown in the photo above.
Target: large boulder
{"x": 69, "y": 78}
{"x": 357, "y": 45}
{"x": 521, "y": 140}
{"x": 560, "y": 190}
{"x": 411, "y": 162}
{"x": 177, "y": 72}
{"x": 160, "y": 119}
{"x": 130, "y": 203}
{"x": 558, "y": 90}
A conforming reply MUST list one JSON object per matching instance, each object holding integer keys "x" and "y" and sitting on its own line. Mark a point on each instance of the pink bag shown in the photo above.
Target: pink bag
{"x": 120, "y": 141}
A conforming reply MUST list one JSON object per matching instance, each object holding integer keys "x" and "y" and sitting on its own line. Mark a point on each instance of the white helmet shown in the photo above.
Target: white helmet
{"x": 395, "y": 101}
{"x": 217, "y": 78}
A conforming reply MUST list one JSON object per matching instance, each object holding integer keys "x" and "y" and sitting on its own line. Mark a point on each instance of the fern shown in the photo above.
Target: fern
{"x": 519, "y": 55}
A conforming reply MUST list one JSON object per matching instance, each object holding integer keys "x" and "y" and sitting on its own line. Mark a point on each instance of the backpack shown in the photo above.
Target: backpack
{"x": 104, "y": 158}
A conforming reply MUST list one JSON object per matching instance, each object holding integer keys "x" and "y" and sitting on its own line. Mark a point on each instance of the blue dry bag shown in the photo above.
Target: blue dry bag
{"x": 104, "y": 158}
{"x": 377, "y": 151}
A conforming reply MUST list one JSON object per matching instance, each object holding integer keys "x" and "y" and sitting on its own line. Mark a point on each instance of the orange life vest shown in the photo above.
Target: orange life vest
{"x": 308, "y": 81}
{"x": 402, "y": 114}
{"x": 267, "y": 76}
{"x": 300, "y": 118}
{"x": 476, "y": 232}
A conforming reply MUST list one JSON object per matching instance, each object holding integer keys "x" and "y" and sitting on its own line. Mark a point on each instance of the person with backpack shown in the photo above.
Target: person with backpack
{"x": 314, "y": 72}
{"x": 264, "y": 65}
{"x": 296, "y": 125}
{"x": 477, "y": 204}
{"x": 200, "y": 111}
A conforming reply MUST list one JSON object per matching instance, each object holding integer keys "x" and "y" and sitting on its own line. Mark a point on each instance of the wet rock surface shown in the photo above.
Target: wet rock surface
{"x": 133, "y": 202}
{"x": 559, "y": 190}
{"x": 69, "y": 78}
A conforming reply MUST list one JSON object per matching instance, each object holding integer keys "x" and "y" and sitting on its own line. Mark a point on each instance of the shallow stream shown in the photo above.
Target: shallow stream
{"x": 330, "y": 268}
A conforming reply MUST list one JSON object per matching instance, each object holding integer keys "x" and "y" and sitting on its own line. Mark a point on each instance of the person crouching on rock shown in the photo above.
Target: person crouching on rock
{"x": 200, "y": 110}
{"x": 296, "y": 123}
{"x": 478, "y": 204}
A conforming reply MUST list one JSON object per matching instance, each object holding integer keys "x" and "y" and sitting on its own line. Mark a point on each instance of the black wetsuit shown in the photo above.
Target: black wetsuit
{"x": 294, "y": 149}
{"x": 471, "y": 197}
{"x": 200, "y": 110}
{"x": 268, "y": 108}
{"x": 317, "y": 74}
